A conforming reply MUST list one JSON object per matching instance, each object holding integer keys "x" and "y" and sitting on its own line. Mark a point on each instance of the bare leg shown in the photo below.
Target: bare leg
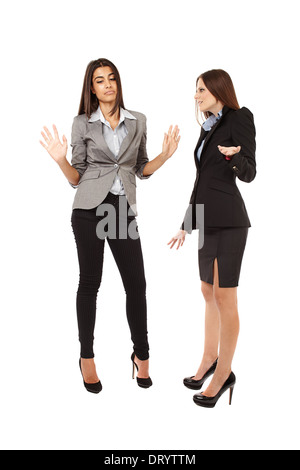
{"x": 212, "y": 331}
{"x": 226, "y": 301}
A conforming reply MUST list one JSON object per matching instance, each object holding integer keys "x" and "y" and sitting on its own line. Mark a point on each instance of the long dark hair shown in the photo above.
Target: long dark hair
{"x": 89, "y": 101}
{"x": 219, "y": 83}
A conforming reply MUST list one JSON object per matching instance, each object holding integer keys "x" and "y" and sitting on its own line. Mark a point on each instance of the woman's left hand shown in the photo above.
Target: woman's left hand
{"x": 171, "y": 141}
{"x": 229, "y": 151}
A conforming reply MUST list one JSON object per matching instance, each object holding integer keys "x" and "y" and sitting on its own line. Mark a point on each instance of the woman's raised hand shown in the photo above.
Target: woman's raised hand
{"x": 179, "y": 238}
{"x": 171, "y": 141}
{"x": 53, "y": 145}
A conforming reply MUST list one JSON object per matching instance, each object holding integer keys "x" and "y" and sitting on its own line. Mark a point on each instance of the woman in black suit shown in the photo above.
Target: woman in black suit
{"x": 225, "y": 150}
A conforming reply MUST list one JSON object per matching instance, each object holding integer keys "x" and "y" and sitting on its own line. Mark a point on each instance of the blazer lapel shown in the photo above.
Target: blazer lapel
{"x": 203, "y": 133}
{"x": 131, "y": 128}
{"x": 99, "y": 139}
{"x": 210, "y": 133}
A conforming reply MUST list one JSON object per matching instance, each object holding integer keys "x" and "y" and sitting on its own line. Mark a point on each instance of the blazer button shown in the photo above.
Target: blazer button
{"x": 116, "y": 165}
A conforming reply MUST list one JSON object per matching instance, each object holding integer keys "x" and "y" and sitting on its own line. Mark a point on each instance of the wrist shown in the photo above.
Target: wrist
{"x": 62, "y": 162}
{"x": 164, "y": 156}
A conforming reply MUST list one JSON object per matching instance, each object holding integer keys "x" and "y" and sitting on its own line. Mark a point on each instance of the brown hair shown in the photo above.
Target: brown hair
{"x": 89, "y": 102}
{"x": 220, "y": 85}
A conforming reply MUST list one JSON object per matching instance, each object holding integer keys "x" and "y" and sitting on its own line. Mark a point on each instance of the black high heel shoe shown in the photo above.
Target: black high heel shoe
{"x": 92, "y": 388}
{"x": 189, "y": 382}
{"x": 144, "y": 383}
{"x": 210, "y": 402}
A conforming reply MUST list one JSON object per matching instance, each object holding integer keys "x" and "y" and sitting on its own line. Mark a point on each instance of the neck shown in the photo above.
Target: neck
{"x": 106, "y": 109}
{"x": 217, "y": 109}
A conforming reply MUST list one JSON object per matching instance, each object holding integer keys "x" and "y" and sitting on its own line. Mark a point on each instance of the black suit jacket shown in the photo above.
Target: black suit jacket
{"x": 215, "y": 184}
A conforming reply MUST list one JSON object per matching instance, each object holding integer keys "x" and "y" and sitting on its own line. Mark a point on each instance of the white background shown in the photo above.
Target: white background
{"x": 159, "y": 47}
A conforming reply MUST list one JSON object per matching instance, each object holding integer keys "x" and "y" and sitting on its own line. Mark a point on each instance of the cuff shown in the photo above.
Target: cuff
{"x": 139, "y": 173}
{"x": 235, "y": 162}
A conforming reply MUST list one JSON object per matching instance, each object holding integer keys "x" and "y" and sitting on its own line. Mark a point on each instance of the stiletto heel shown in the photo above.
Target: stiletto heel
{"x": 210, "y": 402}
{"x": 143, "y": 383}
{"x": 92, "y": 388}
{"x": 230, "y": 395}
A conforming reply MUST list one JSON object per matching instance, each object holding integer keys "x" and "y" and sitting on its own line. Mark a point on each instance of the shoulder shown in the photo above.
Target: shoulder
{"x": 242, "y": 117}
{"x": 138, "y": 116}
{"x": 242, "y": 113}
{"x": 80, "y": 121}
{"x": 81, "y": 118}
{"x": 79, "y": 126}
{"x": 242, "y": 121}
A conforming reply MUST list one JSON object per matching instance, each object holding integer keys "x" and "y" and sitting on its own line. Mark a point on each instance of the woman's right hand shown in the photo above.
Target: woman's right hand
{"x": 54, "y": 147}
{"x": 179, "y": 238}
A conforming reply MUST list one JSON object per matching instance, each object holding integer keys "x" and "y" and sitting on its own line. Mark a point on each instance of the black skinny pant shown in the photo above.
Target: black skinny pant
{"x": 128, "y": 255}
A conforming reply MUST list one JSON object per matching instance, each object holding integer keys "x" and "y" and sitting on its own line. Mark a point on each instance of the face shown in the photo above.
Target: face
{"x": 206, "y": 101}
{"x": 104, "y": 85}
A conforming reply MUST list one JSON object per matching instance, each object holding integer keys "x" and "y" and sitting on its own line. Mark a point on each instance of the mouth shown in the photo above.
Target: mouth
{"x": 109, "y": 93}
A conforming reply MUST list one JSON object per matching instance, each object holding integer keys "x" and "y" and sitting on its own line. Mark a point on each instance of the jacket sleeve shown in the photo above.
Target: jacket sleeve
{"x": 78, "y": 145}
{"x": 142, "y": 158}
{"x": 243, "y": 133}
{"x": 189, "y": 222}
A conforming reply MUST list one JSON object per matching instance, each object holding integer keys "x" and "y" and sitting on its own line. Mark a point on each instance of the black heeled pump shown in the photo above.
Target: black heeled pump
{"x": 143, "y": 383}
{"x": 92, "y": 388}
{"x": 189, "y": 382}
{"x": 210, "y": 402}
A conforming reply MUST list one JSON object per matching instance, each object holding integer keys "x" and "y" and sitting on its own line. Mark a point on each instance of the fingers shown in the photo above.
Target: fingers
{"x": 180, "y": 242}
{"x": 173, "y": 133}
{"x": 55, "y": 132}
{"x": 229, "y": 151}
{"x": 45, "y": 137}
{"x": 173, "y": 241}
{"x": 49, "y": 135}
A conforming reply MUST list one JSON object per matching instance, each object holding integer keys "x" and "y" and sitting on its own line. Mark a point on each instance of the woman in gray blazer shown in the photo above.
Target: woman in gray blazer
{"x": 108, "y": 152}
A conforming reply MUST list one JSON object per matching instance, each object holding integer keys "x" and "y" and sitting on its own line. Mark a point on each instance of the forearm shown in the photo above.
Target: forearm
{"x": 154, "y": 164}
{"x": 69, "y": 171}
{"x": 244, "y": 167}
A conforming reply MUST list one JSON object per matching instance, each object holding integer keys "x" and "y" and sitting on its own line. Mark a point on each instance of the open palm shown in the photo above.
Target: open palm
{"x": 53, "y": 145}
{"x": 171, "y": 141}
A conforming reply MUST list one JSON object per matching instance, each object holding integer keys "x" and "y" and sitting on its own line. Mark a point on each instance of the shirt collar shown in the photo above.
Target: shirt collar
{"x": 98, "y": 115}
{"x": 208, "y": 124}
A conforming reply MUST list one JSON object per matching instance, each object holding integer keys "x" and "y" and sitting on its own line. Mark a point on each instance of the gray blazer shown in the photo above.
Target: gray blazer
{"x": 97, "y": 165}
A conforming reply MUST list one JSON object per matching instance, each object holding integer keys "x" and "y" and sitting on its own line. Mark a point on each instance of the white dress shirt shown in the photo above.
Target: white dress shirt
{"x": 114, "y": 139}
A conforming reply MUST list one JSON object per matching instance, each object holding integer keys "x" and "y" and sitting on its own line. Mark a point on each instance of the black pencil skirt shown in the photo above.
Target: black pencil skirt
{"x": 227, "y": 245}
